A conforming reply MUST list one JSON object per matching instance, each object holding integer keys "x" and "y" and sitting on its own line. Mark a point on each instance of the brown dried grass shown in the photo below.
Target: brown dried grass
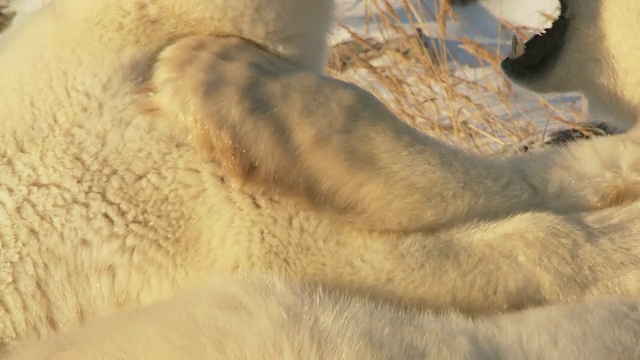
{"x": 479, "y": 115}
{"x": 450, "y": 107}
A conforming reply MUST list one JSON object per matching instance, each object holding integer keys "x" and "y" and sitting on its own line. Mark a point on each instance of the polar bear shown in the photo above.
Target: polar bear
{"x": 260, "y": 317}
{"x": 586, "y": 49}
{"x": 312, "y": 150}
{"x": 148, "y": 145}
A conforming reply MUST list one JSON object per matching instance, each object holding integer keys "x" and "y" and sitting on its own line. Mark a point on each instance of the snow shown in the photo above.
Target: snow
{"x": 478, "y": 22}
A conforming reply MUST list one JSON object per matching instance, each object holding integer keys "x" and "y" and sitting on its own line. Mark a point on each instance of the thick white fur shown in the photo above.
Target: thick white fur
{"x": 599, "y": 59}
{"x": 144, "y": 148}
{"x": 264, "y": 318}
{"x": 337, "y": 148}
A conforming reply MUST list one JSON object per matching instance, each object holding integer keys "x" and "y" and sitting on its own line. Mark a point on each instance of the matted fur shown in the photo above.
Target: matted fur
{"x": 148, "y": 145}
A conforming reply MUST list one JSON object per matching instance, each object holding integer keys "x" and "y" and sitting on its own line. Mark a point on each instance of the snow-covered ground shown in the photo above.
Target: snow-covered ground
{"x": 478, "y": 22}
{"x": 522, "y": 109}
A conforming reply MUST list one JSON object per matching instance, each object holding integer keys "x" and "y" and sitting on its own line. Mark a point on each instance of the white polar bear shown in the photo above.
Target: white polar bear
{"x": 428, "y": 185}
{"x": 587, "y": 49}
{"x": 147, "y": 145}
{"x": 270, "y": 318}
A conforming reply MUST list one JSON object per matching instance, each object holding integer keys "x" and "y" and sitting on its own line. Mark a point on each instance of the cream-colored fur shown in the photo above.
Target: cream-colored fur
{"x": 599, "y": 59}
{"x": 338, "y": 149}
{"x": 147, "y": 145}
{"x": 258, "y": 318}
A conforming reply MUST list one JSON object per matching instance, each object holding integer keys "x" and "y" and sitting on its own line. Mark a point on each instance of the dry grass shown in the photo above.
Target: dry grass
{"x": 417, "y": 83}
{"x": 480, "y": 114}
